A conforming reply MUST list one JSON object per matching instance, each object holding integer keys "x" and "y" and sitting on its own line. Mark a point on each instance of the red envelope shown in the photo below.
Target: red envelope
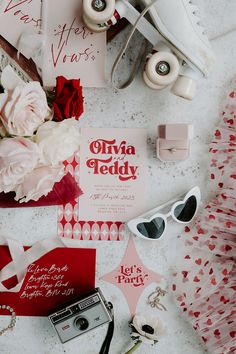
{"x": 63, "y": 192}
{"x": 58, "y": 277}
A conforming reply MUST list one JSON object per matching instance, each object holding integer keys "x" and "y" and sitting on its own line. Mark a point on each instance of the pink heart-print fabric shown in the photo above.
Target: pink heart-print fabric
{"x": 204, "y": 284}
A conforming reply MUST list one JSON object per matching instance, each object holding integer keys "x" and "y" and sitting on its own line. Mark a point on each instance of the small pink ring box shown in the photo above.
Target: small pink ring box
{"x": 173, "y": 142}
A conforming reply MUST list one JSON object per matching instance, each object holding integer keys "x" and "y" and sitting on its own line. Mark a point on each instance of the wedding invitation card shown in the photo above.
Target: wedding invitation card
{"x": 111, "y": 171}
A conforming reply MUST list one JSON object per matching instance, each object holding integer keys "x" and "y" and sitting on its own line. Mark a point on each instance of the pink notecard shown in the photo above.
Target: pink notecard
{"x": 112, "y": 173}
{"x": 70, "y": 48}
{"x": 18, "y": 17}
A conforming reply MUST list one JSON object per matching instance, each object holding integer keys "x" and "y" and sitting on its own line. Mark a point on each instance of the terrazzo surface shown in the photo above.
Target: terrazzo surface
{"x": 137, "y": 106}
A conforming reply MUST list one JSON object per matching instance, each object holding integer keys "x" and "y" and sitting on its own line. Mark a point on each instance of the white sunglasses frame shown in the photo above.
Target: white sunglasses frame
{"x": 154, "y": 213}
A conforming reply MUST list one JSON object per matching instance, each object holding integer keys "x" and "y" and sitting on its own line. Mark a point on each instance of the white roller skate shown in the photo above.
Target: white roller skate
{"x": 181, "y": 50}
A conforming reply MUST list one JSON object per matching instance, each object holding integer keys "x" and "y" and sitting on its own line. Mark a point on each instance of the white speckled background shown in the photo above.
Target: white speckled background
{"x": 136, "y": 106}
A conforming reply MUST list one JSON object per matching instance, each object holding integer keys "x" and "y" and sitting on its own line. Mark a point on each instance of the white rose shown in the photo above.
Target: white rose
{"x": 39, "y": 183}
{"x": 24, "y": 109}
{"x": 58, "y": 141}
{"x": 18, "y": 156}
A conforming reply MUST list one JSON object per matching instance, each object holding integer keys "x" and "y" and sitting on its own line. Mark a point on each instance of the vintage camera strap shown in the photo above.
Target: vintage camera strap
{"x": 107, "y": 341}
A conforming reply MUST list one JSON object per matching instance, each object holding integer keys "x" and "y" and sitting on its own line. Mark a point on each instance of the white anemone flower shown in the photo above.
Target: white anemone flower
{"x": 146, "y": 329}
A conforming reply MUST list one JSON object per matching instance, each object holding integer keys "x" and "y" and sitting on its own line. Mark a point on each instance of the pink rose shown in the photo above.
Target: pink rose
{"x": 24, "y": 109}
{"x": 18, "y": 156}
{"x": 39, "y": 183}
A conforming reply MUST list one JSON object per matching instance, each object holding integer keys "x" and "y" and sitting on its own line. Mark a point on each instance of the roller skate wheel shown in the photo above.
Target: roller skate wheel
{"x": 150, "y": 84}
{"x": 162, "y": 68}
{"x": 98, "y": 11}
{"x": 184, "y": 87}
{"x": 94, "y": 27}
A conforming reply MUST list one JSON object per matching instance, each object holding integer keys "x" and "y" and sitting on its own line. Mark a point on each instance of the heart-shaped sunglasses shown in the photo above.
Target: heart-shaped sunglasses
{"x": 152, "y": 225}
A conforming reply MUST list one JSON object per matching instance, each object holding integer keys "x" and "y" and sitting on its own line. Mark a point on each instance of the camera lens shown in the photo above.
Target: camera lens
{"x": 81, "y": 323}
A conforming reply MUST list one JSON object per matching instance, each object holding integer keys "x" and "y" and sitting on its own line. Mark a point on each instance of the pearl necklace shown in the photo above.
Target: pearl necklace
{"x": 13, "y": 319}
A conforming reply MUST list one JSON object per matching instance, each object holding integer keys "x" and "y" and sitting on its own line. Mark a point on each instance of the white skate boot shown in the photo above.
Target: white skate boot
{"x": 182, "y": 53}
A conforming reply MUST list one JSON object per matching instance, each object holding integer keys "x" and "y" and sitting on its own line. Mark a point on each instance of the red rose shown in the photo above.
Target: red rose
{"x": 68, "y": 101}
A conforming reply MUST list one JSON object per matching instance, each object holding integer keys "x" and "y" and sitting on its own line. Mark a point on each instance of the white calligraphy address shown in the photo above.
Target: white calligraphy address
{"x": 47, "y": 282}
